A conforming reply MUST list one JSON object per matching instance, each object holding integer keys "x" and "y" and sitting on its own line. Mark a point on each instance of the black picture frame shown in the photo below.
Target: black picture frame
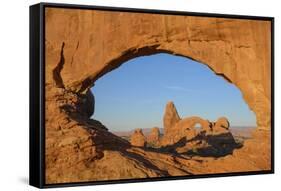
{"x": 37, "y": 93}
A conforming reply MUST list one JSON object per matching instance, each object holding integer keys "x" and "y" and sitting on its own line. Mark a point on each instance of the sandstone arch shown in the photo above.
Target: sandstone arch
{"x": 87, "y": 44}
{"x": 185, "y": 128}
{"x": 192, "y": 121}
{"x": 83, "y": 45}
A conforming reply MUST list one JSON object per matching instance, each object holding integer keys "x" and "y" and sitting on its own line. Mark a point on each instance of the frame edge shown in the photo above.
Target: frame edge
{"x": 35, "y": 138}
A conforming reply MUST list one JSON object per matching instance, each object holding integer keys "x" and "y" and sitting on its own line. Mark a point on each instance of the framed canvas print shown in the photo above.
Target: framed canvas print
{"x": 123, "y": 95}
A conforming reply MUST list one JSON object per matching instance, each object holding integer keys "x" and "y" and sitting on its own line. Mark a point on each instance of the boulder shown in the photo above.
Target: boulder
{"x": 138, "y": 139}
{"x": 222, "y": 124}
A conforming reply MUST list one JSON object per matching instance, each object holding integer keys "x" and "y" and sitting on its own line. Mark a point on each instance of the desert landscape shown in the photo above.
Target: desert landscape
{"x": 84, "y": 45}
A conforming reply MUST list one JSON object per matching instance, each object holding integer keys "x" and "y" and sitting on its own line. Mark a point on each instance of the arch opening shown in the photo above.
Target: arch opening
{"x": 197, "y": 126}
{"x": 111, "y": 89}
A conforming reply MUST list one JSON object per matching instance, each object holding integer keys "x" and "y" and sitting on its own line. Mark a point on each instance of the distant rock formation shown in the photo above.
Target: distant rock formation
{"x": 171, "y": 117}
{"x": 138, "y": 139}
{"x": 154, "y": 136}
{"x": 176, "y": 129}
{"x": 222, "y": 124}
{"x": 185, "y": 136}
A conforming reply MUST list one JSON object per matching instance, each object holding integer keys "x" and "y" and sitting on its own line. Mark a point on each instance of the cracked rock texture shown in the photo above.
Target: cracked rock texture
{"x": 83, "y": 45}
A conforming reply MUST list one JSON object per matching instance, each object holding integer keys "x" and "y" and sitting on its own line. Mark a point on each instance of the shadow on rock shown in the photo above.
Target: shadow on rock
{"x": 205, "y": 145}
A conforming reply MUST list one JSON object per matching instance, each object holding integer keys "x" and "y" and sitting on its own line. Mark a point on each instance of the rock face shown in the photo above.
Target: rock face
{"x": 72, "y": 138}
{"x": 138, "y": 139}
{"x": 154, "y": 136}
{"x": 83, "y": 45}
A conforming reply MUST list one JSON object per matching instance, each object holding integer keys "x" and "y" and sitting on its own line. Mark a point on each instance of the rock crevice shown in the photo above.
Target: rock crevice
{"x": 57, "y": 70}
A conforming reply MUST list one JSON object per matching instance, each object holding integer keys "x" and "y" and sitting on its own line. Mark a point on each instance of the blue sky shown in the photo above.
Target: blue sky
{"x": 135, "y": 94}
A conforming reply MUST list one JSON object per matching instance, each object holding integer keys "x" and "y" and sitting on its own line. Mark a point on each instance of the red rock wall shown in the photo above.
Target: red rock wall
{"x": 82, "y": 45}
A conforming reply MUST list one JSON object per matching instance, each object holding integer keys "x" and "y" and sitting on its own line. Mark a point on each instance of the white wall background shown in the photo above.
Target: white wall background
{"x": 14, "y": 74}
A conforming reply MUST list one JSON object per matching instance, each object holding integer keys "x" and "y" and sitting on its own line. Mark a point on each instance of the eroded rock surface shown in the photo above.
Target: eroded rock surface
{"x": 82, "y": 46}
